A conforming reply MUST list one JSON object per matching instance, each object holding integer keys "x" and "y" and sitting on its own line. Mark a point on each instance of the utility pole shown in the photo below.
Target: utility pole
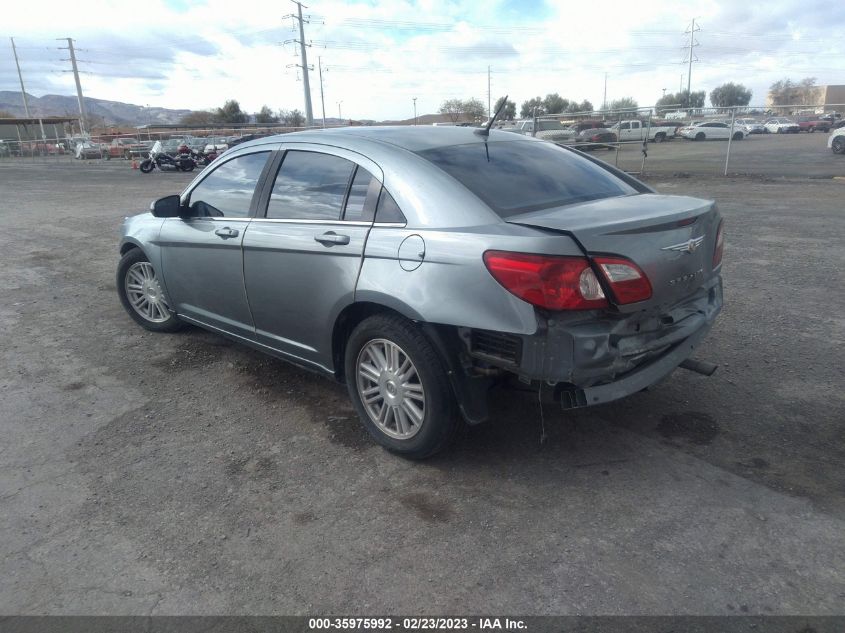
{"x": 604, "y": 99}
{"x": 489, "y": 111}
{"x": 79, "y": 97}
{"x": 339, "y": 115}
{"x": 309, "y": 114}
{"x": 415, "y": 110}
{"x": 322, "y": 97}
{"x": 692, "y": 45}
{"x": 20, "y": 78}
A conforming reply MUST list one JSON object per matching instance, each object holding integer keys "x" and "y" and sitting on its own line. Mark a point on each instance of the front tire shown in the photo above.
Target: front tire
{"x": 141, "y": 294}
{"x": 399, "y": 387}
{"x": 700, "y": 136}
{"x": 737, "y": 136}
{"x": 838, "y": 145}
{"x": 147, "y": 166}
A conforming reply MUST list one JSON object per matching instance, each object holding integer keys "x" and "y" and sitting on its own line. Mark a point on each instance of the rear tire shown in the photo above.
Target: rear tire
{"x": 141, "y": 295}
{"x": 399, "y": 387}
{"x": 838, "y": 145}
{"x": 659, "y": 137}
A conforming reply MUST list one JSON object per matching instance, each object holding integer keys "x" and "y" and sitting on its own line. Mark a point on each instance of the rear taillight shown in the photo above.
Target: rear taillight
{"x": 554, "y": 283}
{"x": 567, "y": 283}
{"x": 720, "y": 246}
{"x": 628, "y": 283}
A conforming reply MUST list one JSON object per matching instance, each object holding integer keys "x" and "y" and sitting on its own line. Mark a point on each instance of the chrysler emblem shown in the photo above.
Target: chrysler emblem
{"x": 690, "y": 246}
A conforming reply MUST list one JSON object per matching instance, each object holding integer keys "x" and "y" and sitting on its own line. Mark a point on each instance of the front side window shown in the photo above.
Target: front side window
{"x": 310, "y": 186}
{"x": 227, "y": 191}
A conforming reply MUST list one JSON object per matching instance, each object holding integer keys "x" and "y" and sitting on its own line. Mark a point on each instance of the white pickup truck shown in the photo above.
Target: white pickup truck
{"x": 637, "y": 131}
{"x": 547, "y": 130}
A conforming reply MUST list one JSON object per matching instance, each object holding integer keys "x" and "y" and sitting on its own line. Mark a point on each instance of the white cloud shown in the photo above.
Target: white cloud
{"x": 196, "y": 55}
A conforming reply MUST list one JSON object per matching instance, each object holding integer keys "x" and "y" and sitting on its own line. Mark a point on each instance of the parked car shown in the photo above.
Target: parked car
{"x": 422, "y": 265}
{"x": 4, "y": 148}
{"x": 88, "y": 149}
{"x": 836, "y": 141}
{"x": 711, "y": 130}
{"x": 553, "y": 131}
{"x": 750, "y": 126}
{"x": 595, "y": 138}
{"x": 127, "y": 148}
{"x": 813, "y": 123}
{"x": 216, "y": 144}
{"x": 636, "y": 130}
{"x": 781, "y": 125}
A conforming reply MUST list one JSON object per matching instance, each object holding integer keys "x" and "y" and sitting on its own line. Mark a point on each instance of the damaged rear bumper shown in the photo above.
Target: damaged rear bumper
{"x": 593, "y": 358}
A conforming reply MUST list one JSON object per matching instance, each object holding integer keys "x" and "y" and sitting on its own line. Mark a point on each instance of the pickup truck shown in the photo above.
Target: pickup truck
{"x": 812, "y": 123}
{"x": 127, "y": 148}
{"x": 634, "y": 130}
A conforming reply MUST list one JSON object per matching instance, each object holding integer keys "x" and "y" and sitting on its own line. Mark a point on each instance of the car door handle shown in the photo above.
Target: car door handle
{"x": 331, "y": 238}
{"x": 226, "y": 232}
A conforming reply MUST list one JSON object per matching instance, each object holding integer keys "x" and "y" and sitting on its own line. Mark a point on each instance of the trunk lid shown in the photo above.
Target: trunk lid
{"x": 658, "y": 233}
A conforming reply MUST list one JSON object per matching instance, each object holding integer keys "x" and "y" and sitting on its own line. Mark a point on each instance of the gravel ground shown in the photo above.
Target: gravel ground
{"x": 182, "y": 474}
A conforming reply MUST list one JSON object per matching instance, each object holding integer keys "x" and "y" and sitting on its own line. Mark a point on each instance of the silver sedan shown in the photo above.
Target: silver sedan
{"x": 421, "y": 266}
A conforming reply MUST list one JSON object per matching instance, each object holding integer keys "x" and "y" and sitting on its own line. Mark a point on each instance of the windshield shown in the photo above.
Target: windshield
{"x": 515, "y": 177}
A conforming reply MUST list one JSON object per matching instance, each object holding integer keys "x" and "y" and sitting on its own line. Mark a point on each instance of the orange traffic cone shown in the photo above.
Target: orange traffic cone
{"x": 134, "y": 164}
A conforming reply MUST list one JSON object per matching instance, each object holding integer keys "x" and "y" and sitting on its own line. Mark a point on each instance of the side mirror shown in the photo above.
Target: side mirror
{"x": 167, "y": 207}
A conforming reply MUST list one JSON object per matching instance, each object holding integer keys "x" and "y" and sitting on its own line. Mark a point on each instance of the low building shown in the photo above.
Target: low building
{"x": 48, "y": 128}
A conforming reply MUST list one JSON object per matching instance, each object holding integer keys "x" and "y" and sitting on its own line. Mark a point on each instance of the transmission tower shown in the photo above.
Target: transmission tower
{"x": 309, "y": 115}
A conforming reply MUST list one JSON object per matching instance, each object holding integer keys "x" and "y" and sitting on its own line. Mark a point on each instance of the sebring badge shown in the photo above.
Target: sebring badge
{"x": 689, "y": 246}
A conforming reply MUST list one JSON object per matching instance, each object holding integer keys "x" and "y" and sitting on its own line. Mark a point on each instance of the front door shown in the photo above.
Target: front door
{"x": 301, "y": 260}
{"x": 202, "y": 256}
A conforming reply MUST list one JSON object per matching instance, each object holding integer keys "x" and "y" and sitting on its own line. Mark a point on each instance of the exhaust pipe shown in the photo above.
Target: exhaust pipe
{"x": 699, "y": 366}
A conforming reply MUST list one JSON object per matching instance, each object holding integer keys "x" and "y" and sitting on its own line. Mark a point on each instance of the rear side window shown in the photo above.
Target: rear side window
{"x": 310, "y": 186}
{"x": 515, "y": 177}
{"x": 227, "y": 191}
{"x": 363, "y": 196}
{"x": 388, "y": 210}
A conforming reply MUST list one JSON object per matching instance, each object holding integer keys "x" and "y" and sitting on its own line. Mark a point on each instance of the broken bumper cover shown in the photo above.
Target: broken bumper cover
{"x": 591, "y": 359}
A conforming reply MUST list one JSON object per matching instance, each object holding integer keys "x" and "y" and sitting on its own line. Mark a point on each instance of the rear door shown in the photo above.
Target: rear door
{"x": 303, "y": 252}
{"x": 201, "y": 254}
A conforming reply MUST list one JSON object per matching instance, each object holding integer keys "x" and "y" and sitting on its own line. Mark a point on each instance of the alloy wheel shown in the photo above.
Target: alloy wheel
{"x": 145, "y": 294}
{"x": 390, "y": 389}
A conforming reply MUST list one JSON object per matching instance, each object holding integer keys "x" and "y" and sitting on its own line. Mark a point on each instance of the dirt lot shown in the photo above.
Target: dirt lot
{"x": 182, "y": 474}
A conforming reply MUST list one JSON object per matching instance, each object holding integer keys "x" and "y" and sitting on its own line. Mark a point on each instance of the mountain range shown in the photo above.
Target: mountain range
{"x": 99, "y": 110}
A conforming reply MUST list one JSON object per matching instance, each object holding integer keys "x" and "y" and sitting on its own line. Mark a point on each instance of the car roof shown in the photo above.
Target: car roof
{"x": 407, "y": 137}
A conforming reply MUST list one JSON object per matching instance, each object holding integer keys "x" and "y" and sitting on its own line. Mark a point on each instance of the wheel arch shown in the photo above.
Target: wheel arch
{"x": 127, "y": 245}
{"x": 470, "y": 393}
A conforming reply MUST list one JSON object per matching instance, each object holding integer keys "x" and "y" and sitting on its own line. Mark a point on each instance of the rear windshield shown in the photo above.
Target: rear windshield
{"x": 520, "y": 177}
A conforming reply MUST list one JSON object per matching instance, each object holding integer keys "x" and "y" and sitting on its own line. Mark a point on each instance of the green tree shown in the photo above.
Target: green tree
{"x": 788, "y": 92}
{"x": 625, "y": 103}
{"x": 475, "y": 110}
{"x": 508, "y": 112}
{"x": 730, "y": 94}
{"x": 199, "y": 117}
{"x": 680, "y": 101}
{"x": 528, "y": 107}
{"x": 231, "y": 113}
{"x": 265, "y": 115}
{"x": 555, "y": 104}
{"x": 292, "y": 118}
{"x": 463, "y": 109}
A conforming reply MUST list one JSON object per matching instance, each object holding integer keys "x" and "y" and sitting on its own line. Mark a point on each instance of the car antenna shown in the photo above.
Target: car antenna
{"x": 486, "y": 130}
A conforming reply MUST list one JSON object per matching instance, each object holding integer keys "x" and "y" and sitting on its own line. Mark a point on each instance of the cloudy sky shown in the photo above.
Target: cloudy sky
{"x": 379, "y": 54}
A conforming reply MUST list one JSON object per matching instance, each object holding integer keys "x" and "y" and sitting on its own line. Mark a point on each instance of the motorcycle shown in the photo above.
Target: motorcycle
{"x": 166, "y": 162}
{"x": 200, "y": 158}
